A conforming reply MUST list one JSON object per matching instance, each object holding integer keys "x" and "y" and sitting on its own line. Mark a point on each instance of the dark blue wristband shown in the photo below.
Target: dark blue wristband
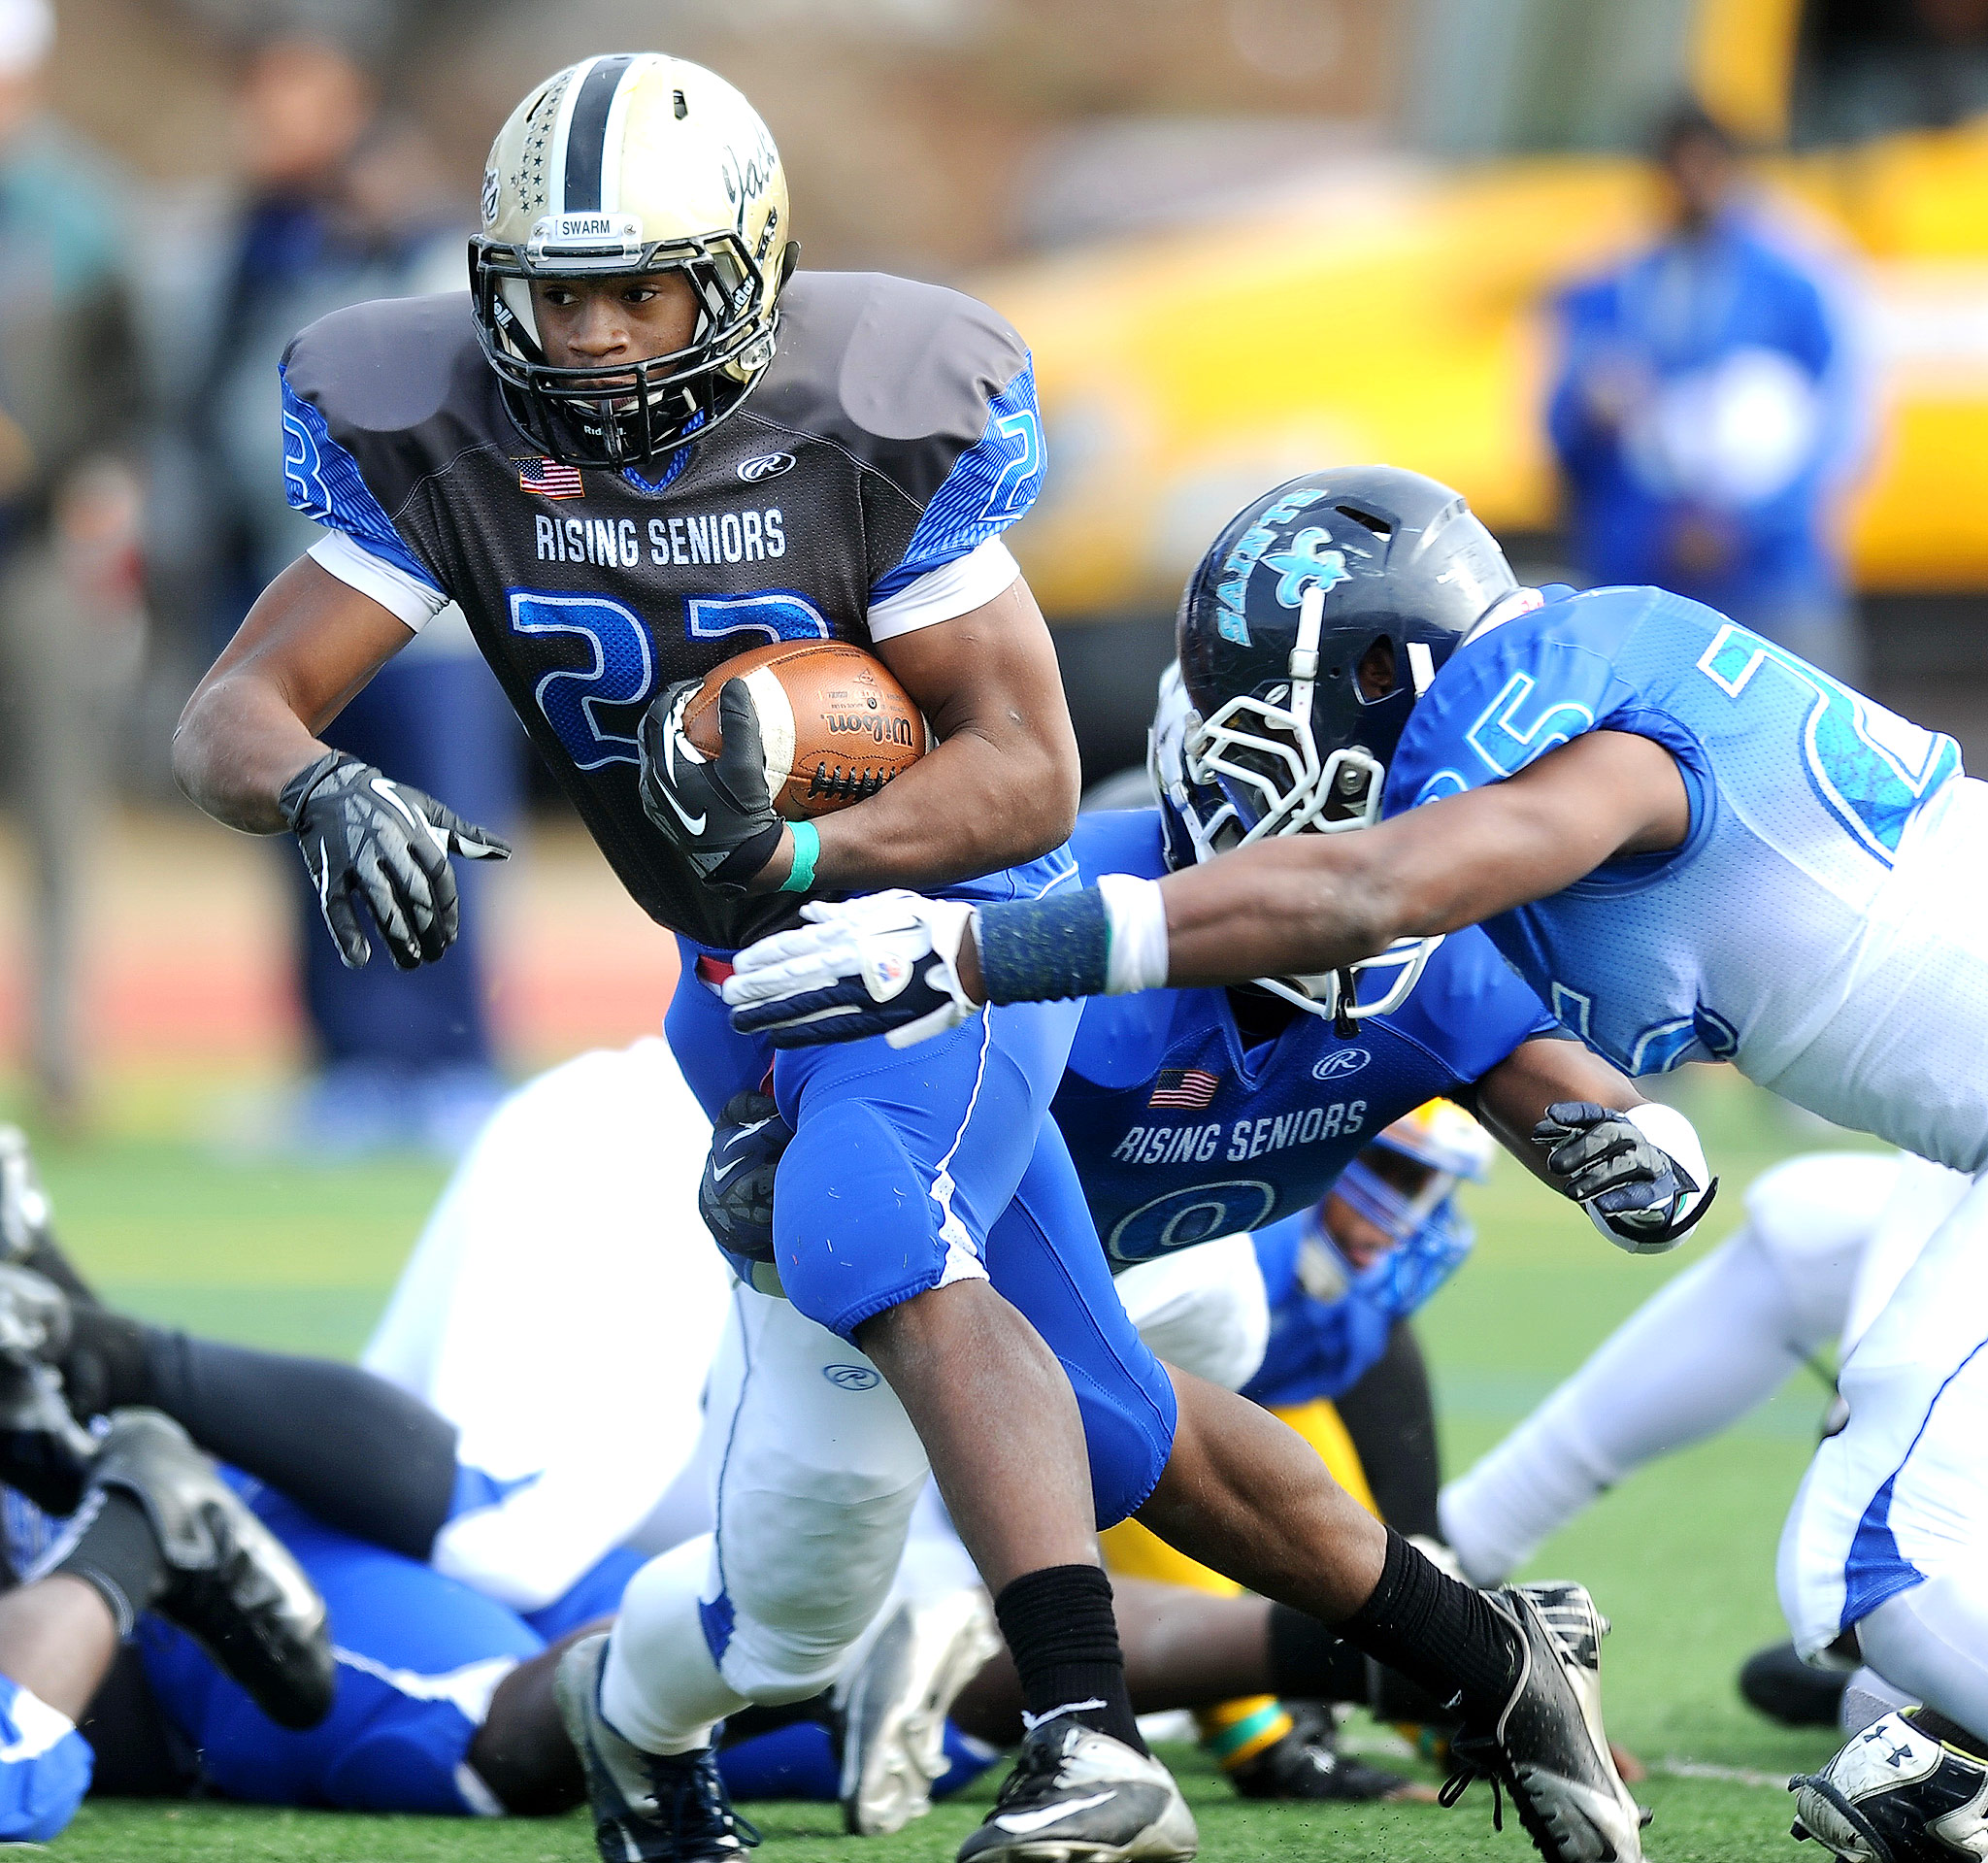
{"x": 1036, "y": 950}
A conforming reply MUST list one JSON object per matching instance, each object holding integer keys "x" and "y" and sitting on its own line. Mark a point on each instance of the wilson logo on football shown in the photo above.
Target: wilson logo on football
{"x": 1340, "y": 1062}
{"x": 765, "y": 465}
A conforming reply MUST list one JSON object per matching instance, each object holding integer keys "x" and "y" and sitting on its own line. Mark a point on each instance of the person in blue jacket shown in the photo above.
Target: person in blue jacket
{"x": 1708, "y": 409}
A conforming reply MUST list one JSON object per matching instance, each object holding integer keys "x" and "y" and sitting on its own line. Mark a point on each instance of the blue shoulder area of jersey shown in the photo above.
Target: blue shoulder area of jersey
{"x": 1119, "y": 841}
{"x": 1469, "y": 1008}
{"x": 1532, "y": 685}
{"x": 991, "y": 484}
{"x": 323, "y": 481}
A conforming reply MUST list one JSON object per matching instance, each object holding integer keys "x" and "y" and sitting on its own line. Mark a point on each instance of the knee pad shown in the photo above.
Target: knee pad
{"x": 881, "y": 1238}
{"x": 803, "y": 1578}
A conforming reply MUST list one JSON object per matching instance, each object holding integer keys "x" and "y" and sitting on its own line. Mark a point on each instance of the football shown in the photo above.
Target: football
{"x": 835, "y": 725}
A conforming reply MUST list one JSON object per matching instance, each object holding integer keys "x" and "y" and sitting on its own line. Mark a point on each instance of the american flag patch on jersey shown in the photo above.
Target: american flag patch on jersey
{"x": 1191, "y": 1087}
{"x": 549, "y": 479}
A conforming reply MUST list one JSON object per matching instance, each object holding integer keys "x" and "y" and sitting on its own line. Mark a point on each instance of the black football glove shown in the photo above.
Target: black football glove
{"x": 734, "y": 1196}
{"x": 1630, "y": 1186}
{"x": 363, "y": 833}
{"x": 717, "y": 814}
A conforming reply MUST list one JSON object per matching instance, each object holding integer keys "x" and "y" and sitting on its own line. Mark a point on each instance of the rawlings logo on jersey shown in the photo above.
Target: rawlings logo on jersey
{"x": 1340, "y": 1061}
{"x": 765, "y": 465}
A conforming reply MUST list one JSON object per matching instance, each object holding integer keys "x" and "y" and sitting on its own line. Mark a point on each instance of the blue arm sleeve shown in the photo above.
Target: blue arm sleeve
{"x": 990, "y": 486}
{"x": 323, "y": 481}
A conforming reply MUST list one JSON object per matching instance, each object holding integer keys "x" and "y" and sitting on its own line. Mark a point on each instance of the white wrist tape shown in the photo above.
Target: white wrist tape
{"x": 1136, "y": 915}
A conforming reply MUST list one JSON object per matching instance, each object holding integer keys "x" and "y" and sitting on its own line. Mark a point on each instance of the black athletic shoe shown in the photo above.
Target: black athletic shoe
{"x": 648, "y": 1807}
{"x": 1785, "y": 1688}
{"x": 1548, "y": 1747}
{"x": 233, "y": 1586}
{"x": 1895, "y": 1794}
{"x": 1078, "y": 1796}
{"x": 1306, "y": 1764}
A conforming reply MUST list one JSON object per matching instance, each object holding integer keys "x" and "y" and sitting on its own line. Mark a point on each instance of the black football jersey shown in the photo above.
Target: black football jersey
{"x": 894, "y": 432}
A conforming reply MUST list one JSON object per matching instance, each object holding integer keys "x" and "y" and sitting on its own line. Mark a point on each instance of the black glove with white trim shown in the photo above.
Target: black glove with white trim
{"x": 717, "y": 813}
{"x": 1626, "y": 1170}
{"x": 734, "y": 1196}
{"x": 364, "y": 835}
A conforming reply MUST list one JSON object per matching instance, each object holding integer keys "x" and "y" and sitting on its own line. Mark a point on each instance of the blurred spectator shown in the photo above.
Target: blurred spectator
{"x": 343, "y": 205}
{"x": 1709, "y": 411}
{"x": 71, "y": 627}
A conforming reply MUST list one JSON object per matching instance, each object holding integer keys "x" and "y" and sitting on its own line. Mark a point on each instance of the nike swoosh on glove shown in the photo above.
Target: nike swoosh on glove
{"x": 364, "y": 835}
{"x": 886, "y": 964}
{"x": 717, "y": 813}
{"x": 734, "y": 1196}
{"x": 1635, "y": 1192}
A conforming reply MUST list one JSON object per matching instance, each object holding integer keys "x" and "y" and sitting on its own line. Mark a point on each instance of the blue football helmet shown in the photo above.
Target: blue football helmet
{"x": 1305, "y": 634}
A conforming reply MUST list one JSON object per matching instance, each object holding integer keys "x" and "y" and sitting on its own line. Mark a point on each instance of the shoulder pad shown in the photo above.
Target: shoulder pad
{"x": 903, "y": 375}
{"x": 386, "y": 367}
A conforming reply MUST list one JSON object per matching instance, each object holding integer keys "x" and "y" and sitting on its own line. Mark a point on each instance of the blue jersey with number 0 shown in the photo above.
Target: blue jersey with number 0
{"x": 1182, "y": 1131}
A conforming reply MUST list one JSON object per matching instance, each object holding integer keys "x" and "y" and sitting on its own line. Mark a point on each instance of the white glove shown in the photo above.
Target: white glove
{"x": 886, "y": 964}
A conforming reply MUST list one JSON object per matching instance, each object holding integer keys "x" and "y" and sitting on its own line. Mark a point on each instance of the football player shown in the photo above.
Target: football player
{"x": 640, "y": 443}
{"x": 1694, "y": 846}
{"x": 1202, "y": 1112}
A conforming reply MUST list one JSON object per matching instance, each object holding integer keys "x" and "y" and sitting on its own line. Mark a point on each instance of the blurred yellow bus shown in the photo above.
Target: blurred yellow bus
{"x": 1393, "y": 311}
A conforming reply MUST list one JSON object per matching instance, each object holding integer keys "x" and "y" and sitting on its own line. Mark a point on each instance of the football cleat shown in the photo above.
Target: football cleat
{"x": 1546, "y": 1746}
{"x": 888, "y": 1714}
{"x": 648, "y": 1807}
{"x": 1079, "y": 1796}
{"x": 27, "y": 1216}
{"x": 1895, "y": 1794}
{"x": 1783, "y": 1687}
{"x": 44, "y": 1452}
{"x": 1306, "y": 1764}
{"x": 232, "y": 1585}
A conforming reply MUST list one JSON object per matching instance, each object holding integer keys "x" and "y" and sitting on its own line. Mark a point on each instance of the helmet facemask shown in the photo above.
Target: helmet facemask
{"x": 626, "y": 414}
{"x": 1253, "y": 770}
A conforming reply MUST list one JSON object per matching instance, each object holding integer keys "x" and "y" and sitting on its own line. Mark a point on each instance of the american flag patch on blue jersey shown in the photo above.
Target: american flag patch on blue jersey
{"x": 1191, "y": 1087}
{"x": 549, "y": 479}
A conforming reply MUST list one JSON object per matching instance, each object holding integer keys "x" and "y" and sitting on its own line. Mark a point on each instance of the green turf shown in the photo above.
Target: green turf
{"x": 1681, "y": 1557}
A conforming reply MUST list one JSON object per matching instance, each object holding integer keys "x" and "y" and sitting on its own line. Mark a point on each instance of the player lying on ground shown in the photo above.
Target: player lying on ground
{"x": 444, "y": 1704}
{"x": 1691, "y": 845}
{"x": 635, "y": 355}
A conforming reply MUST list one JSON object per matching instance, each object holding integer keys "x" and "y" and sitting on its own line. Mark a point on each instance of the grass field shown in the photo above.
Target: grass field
{"x": 1681, "y": 1558}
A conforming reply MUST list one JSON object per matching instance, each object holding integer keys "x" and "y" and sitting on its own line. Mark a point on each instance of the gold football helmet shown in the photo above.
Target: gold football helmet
{"x": 629, "y": 163}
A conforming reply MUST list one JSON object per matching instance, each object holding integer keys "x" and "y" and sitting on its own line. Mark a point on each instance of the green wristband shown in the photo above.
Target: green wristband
{"x": 807, "y": 844}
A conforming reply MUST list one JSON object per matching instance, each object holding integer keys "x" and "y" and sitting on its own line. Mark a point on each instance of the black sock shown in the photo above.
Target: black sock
{"x": 1951, "y": 1733}
{"x": 117, "y": 1553}
{"x": 105, "y": 1368}
{"x": 1309, "y": 1661}
{"x": 1390, "y": 1415}
{"x": 360, "y": 1454}
{"x": 1437, "y": 1631}
{"x": 1064, "y": 1639}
